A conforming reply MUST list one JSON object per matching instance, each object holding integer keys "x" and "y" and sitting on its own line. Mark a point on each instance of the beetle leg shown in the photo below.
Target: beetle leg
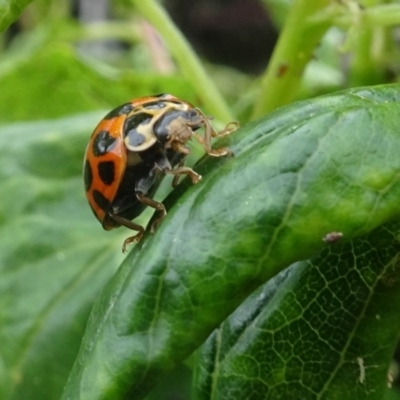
{"x": 209, "y": 132}
{"x": 181, "y": 170}
{"x": 131, "y": 225}
{"x": 175, "y": 181}
{"x": 164, "y": 165}
{"x": 229, "y": 128}
{"x": 154, "y": 204}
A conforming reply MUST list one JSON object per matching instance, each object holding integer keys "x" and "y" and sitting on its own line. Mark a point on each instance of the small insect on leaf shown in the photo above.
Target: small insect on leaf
{"x": 332, "y": 237}
{"x": 133, "y": 148}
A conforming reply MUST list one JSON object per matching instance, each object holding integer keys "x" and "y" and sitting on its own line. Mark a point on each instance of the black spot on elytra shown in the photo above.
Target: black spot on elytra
{"x": 103, "y": 143}
{"x": 87, "y": 175}
{"x": 106, "y": 171}
{"x": 121, "y": 110}
{"x": 100, "y": 200}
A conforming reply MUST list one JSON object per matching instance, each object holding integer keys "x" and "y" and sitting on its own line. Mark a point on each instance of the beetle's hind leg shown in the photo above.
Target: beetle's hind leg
{"x": 131, "y": 225}
{"x": 153, "y": 204}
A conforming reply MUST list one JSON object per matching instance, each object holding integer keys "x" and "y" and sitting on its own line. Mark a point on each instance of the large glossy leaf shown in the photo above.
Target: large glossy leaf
{"x": 324, "y": 328}
{"x": 330, "y": 164}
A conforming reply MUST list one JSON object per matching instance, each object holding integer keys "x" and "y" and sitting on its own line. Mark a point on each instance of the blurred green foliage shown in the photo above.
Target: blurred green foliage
{"x": 46, "y": 70}
{"x": 58, "y": 77}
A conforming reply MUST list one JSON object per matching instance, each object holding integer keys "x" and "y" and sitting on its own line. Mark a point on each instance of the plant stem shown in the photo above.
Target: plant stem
{"x": 372, "y": 39}
{"x": 294, "y": 49}
{"x": 367, "y": 68}
{"x": 185, "y": 57}
{"x": 381, "y": 15}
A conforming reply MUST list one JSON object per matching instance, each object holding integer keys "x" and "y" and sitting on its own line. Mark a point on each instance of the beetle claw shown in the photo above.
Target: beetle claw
{"x": 136, "y": 238}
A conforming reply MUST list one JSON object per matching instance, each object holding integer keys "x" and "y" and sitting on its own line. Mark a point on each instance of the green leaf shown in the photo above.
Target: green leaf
{"x": 54, "y": 256}
{"x": 329, "y": 164}
{"x": 324, "y": 328}
{"x": 10, "y": 10}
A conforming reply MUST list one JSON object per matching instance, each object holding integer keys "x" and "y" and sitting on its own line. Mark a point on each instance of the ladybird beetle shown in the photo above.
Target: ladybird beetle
{"x": 131, "y": 150}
